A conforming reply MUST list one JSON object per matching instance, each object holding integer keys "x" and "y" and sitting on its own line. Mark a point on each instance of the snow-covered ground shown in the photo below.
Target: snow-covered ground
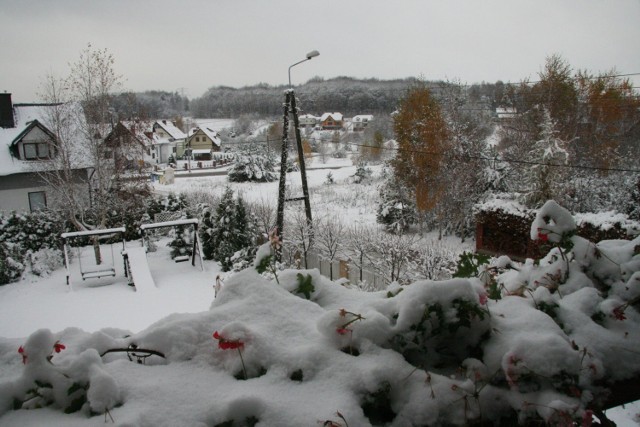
{"x": 292, "y": 340}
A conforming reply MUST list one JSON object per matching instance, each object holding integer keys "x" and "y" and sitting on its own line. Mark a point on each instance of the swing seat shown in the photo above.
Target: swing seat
{"x": 182, "y": 258}
{"x": 99, "y": 271}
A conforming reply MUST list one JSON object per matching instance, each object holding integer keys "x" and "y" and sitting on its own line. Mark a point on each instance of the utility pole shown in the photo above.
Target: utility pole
{"x": 290, "y": 107}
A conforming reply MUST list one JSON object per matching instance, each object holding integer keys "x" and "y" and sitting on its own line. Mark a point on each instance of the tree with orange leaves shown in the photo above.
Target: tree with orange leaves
{"x": 422, "y": 136}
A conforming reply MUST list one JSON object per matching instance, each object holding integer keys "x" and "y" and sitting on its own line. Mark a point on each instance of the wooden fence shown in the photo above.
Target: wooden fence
{"x": 340, "y": 269}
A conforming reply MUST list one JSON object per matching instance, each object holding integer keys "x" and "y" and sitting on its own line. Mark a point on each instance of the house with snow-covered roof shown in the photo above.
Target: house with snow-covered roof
{"x": 203, "y": 141}
{"x": 331, "y": 121}
{"x": 308, "y": 120}
{"x": 129, "y": 145}
{"x": 28, "y": 150}
{"x": 166, "y": 138}
{"x": 360, "y": 122}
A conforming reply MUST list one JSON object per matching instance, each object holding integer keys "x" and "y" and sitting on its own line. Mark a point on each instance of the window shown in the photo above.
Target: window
{"x": 197, "y": 139}
{"x": 36, "y": 150}
{"x": 37, "y": 200}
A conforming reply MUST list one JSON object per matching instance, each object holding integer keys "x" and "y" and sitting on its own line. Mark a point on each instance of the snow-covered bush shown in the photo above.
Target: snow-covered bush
{"x": 363, "y": 173}
{"x": 81, "y": 384}
{"x": 26, "y": 233}
{"x": 11, "y": 263}
{"x": 44, "y": 261}
{"x": 253, "y": 167}
{"x": 32, "y": 231}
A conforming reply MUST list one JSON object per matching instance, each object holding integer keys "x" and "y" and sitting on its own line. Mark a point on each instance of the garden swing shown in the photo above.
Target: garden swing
{"x": 98, "y": 270}
{"x": 196, "y": 250}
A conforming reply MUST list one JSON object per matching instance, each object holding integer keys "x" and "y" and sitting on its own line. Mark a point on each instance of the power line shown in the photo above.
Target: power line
{"x": 468, "y": 157}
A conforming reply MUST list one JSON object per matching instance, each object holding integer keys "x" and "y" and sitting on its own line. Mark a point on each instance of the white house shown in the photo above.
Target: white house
{"x": 360, "y": 122}
{"x": 308, "y": 120}
{"x": 166, "y": 138}
{"x": 203, "y": 142}
{"x": 27, "y": 146}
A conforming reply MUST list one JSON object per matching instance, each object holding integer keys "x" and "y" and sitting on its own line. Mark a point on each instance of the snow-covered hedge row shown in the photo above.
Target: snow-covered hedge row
{"x": 522, "y": 343}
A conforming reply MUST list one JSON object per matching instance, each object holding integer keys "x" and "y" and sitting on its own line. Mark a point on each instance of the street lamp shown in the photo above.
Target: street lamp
{"x": 310, "y": 55}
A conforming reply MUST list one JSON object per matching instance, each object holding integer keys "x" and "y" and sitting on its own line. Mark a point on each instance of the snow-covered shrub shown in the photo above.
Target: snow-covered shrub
{"x": 11, "y": 263}
{"x": 44, "y": 261}
{"x": 253, "y": 167}
{"x": 81, "y": 384}
{"x": 363, "y": 173}
{"x": 32, "y": 231}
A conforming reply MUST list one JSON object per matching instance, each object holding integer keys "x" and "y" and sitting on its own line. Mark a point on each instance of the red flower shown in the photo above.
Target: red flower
{"x": 58, "y": 347}
{"x": 343, "y": 331}
{"x": 23, "y": 354}
{"x": 618, "y": 312}
{"x": 226, "y": 344}
{"x": 542, "y": 236}
{"x": 483, "y": 299}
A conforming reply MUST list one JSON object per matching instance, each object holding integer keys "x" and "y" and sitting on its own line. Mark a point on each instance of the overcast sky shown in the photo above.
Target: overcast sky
{"x": 191, "y": 45}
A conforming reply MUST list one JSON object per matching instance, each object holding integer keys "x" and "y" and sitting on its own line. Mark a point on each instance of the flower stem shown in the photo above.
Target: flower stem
{"x": 244, "y": 370}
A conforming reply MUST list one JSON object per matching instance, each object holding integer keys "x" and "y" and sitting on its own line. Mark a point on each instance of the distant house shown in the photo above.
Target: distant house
{"x": 308, "y": 121}
{"x": 203, "y": 142}
{"x": 166, "y": 138}
{"x": 360, "y": 122}
{"x": 129, "y": 146}
{"x": 331, "y": 121}
{"x": 506, "y": 113}
{"x": 27, "y": 148}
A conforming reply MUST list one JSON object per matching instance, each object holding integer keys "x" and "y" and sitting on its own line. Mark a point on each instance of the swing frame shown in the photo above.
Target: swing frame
{"x": 108, "y": 270}
{"x": 197, "y": 247}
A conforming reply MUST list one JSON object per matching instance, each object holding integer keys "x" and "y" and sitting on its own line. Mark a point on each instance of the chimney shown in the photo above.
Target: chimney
{"x": 6, "y": 111}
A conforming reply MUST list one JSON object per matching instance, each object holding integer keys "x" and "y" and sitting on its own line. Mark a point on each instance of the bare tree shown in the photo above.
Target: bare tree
{"x": 265, "y": 214}
{"x": 392, "y": 255}
{"x": 434, "y": 261}
{"x": 329, "y": 238}
{"x": 298, "y": 234}
{"x": 358, "y": 243}
{"x": 80, "y": 117}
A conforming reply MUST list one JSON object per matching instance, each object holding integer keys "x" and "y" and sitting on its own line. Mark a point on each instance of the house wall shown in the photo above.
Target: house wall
{"x": 15, "y": 189}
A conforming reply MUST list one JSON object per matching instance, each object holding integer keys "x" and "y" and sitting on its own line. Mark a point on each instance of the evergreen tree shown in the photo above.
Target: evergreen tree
{"x": 542, "y": 179}
{"x": 206, "y": 237}
{"x": 182, "y": 243}
{"x": 228, "y": 232}
{"x": 397, "y": 209}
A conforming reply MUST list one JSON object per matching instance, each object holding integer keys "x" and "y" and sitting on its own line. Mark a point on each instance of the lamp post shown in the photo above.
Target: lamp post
{"x": 310, "y": 55}
{"x": 290, "y": 106}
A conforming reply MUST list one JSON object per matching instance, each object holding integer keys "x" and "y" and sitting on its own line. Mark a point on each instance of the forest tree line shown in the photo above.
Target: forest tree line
{"x": 349, "y": 96}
